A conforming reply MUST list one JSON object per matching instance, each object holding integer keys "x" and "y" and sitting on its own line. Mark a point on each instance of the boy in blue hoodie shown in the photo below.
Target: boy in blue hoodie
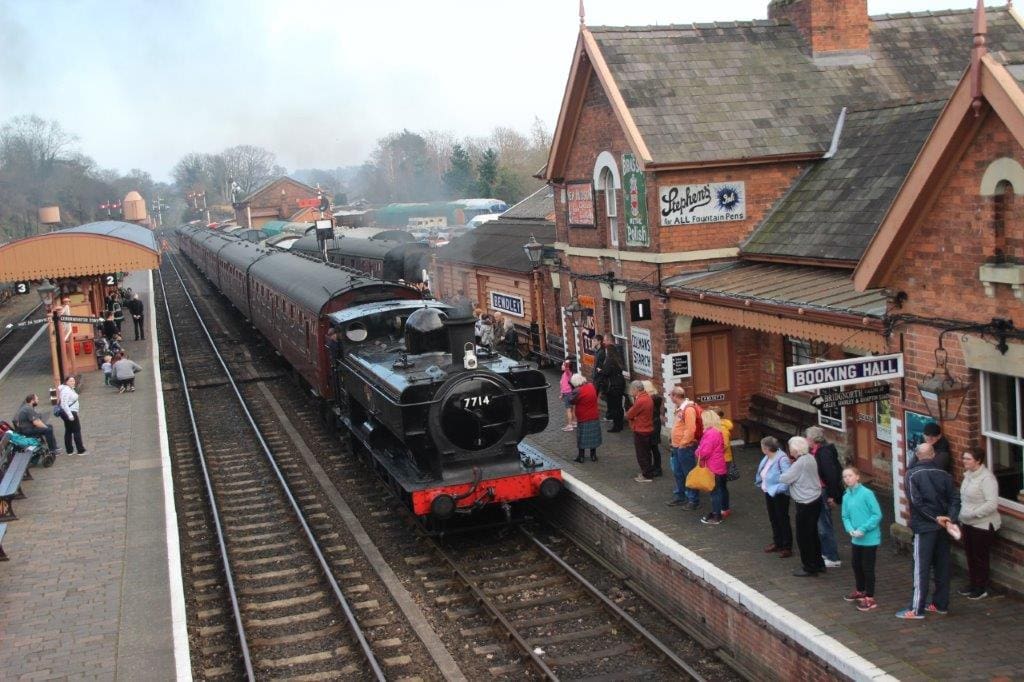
{"x": 862, "y": 517}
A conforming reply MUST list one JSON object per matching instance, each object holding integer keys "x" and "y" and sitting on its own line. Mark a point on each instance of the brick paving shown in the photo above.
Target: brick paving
{"x": 85, "y": 593}
{"x": 977, "y": 640}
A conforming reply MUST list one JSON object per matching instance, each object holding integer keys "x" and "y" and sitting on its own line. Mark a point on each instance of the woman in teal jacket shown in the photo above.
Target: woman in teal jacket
{"x": 862, "y": 518}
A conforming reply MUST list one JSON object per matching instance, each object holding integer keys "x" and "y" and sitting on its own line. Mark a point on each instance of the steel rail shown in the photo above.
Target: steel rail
{"x": 371, "y": 659}
{"x": 24, "y": 317}
{"x": 615, "y": 609}
{"x": 221, "y": 542}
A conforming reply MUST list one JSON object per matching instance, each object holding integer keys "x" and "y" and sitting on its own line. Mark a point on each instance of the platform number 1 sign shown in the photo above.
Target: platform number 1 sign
{"x": 21, "y": 288}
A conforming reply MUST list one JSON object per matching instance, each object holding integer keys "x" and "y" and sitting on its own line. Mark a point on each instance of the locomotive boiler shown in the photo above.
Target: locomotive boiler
{"x": 442, "y": 418}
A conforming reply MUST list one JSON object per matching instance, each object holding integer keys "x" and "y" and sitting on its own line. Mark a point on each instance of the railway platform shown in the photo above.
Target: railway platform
{"x": 93, "y": 586}
{"x": 976, "y": 640}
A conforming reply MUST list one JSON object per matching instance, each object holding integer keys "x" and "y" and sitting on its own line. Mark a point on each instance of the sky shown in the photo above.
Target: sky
{"x": 143, "y": 82}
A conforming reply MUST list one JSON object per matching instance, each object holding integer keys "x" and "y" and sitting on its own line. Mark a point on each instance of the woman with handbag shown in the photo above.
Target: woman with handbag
{"x": 805, "y": 489}
{"x": 979, "y": 516}
{"x": 711, "y": 454}
{"x": 68, "y": 410}
{"x": 658, "y": 419}
{"x": 776, "y": 495}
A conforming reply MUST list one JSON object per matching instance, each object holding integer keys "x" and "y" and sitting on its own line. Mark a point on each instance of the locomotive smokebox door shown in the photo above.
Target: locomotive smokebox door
{"x": 477, "y": 414}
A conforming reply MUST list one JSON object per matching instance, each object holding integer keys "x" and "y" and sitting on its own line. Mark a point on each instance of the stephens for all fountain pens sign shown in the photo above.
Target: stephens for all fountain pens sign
{"x": 715, "y": 202}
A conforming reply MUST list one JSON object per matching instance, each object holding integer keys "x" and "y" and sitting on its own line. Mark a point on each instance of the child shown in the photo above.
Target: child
{"x": 565, "y": 389}
{"x": 861, "y": 518}
{"x": 107, "y": 367}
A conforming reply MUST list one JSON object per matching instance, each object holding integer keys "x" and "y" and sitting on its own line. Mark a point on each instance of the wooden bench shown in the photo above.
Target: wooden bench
{"x": 15, "y": 470}
{"x": 769, "y": 417}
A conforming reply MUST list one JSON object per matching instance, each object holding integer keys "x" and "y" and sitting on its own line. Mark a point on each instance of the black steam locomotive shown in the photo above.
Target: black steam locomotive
{"x": 442, "y": 418}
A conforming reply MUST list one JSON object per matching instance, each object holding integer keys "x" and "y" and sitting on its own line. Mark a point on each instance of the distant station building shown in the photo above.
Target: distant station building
{"x": 281, "y": 199}
{"x": 718, "y": 185}
{"x": 489, "y": 266}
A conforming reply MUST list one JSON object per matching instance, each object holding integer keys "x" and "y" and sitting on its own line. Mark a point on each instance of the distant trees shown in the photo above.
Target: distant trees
{"x": 40, "y": 165}
{"x": 248, "y": 166}
{"x": 408, "y": 166}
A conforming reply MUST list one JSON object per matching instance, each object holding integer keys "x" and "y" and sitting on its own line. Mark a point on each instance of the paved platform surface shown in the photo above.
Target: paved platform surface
{"x": 87, "y": 593}
{"x": 981, "y": 640}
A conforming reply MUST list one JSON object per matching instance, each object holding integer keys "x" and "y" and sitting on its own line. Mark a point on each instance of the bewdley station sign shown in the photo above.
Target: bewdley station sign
{"x": 844, "y": 372}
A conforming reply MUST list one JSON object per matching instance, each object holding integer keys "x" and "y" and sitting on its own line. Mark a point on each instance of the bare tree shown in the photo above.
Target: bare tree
{"x": 250, "y": 166}
{"x": 34, "y": 145}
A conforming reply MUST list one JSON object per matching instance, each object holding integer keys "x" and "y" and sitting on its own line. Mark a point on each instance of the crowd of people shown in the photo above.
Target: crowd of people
{"x": 111, "y": 358}
{"x": 805, "y": 473}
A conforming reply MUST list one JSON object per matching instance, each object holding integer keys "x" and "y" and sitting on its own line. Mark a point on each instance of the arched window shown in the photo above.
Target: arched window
{"x": 606, "y": 180}
{"x": 1002, "y": 205}
{"x": 610, "y": 203}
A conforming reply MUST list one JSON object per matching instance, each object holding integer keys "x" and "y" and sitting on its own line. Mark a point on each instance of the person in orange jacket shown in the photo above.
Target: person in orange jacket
{"x": 641, "y": 421}
{"x": 684, "y": 446}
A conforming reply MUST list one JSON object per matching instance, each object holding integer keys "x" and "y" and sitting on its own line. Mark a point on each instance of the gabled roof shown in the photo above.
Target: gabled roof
{"x": 538, "y": 206}
{"x": 834, "y": 209}
{"x": 957, "y": 125}
{"x": 267, "y": 185}
{"x": 498, "y": 244}
{"x": 728, "y": 92}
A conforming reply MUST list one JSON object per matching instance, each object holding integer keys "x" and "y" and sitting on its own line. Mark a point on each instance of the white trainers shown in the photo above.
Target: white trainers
{"x": 832, "y": 564}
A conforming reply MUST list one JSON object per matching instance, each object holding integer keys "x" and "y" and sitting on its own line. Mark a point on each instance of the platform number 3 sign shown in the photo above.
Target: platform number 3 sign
{"x": 21, "y": 288}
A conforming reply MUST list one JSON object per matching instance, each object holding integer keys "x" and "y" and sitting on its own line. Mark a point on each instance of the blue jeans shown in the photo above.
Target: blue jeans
{"x": 827, "y": 533}
{"x": 683, "y": 460}
{"x": 719, "y": 496}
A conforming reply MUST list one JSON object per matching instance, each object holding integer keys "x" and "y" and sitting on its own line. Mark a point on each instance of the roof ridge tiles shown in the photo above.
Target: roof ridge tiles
{"x": 694, "y": 26}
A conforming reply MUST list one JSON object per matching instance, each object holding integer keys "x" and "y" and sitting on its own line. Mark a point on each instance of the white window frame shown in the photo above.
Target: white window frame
{"x": 618, "y": 314}
{"x": 990, "y": 435}
{"x": 607, "y": 180}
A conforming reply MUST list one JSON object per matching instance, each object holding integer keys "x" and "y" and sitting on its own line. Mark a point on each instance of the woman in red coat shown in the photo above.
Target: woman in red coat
{"x": 588, "y": 421}
{"x": 641, "y": 421}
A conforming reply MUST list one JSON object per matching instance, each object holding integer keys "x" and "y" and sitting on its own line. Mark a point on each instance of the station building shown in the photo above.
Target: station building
{"x": 736, "y": 198}
{"x": 276, "y": 200}
{"x": 489, "y": 266}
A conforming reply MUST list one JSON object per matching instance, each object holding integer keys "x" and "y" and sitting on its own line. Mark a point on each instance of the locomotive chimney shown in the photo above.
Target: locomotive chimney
{"x": 460, "y": 332}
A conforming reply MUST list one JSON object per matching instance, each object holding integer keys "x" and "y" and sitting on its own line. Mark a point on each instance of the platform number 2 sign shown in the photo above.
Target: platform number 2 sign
{"x": 21, "y": 288}
{"x": 110, "y": 280}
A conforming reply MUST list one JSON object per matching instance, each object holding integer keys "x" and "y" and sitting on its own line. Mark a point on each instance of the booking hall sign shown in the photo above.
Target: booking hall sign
{"x": 635, "y": 195}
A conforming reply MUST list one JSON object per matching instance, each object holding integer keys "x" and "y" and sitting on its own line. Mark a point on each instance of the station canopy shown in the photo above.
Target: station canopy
{"x": 98, "y": 248}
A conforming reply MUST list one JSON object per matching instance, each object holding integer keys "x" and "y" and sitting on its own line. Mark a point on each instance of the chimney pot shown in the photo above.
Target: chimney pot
{"x": 828, "y": 26}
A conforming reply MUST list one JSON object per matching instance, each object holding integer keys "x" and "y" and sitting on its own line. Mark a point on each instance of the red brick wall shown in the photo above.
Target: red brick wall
{"x": 828, "y": 25}
{"x": 285, "y": 204}
{"x": 939, "y": 272}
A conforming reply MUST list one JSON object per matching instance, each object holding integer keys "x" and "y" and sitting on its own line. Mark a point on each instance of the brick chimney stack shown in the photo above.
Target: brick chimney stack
{"x": 828, "y": 25}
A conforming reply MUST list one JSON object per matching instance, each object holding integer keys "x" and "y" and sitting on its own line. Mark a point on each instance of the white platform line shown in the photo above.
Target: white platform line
{"x": 787, "y": 623}
{"x": 182, "y": 659}
{"x": 24, "y": 349}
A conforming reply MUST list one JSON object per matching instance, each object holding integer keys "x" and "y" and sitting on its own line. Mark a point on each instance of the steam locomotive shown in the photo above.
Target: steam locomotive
{"x": 440, "y": 419}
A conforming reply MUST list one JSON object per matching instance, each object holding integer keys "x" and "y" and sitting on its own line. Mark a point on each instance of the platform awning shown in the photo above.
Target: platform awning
{"x": 93, "y": 249}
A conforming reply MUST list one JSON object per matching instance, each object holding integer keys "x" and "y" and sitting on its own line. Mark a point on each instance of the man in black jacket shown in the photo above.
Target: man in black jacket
{"x": 831, "y": 474}
{"x": 135, "y": 308}
{"x": 933, "y": 436}
{"x": 934, "y": 500}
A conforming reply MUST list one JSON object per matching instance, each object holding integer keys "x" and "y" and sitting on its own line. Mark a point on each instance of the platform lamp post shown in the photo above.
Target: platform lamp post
{"x": 942, "y": 394}
{"x": 534, "y": 251}
{"x": 575, "y": 310}
{"x": 47, "y": 293}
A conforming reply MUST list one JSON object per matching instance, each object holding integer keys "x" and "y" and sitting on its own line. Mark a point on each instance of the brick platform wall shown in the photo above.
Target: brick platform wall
{"x": 757, "y": 646}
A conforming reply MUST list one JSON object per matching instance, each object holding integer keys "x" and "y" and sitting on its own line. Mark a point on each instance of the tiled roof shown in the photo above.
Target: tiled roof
{"x": 709, "y": 92}
{"x": 834, "y": 209}
{"x": 824, "y": 289}
{"x": 538, "y": 206}
{"x": 498, "y": 244}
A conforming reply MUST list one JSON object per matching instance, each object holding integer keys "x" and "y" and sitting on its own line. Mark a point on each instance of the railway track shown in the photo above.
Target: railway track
{"x": 14, "y": 339}
{"x": 271, "y": 585}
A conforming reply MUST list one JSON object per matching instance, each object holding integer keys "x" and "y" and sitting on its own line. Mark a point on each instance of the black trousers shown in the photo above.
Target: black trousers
{"x": 140, "y": 328}
{"x": 931, "y": 552}
{"x": 46, "y": 433}
{"x": 778, "y": 516}
{"x": 807, "y": 536}
{"x": 655, "y": 450}
{"x": 978, "y": 547}
{"x": 615, "y": 411}
{"x": 864, "y": 568}
{"x": 72, "y": 429}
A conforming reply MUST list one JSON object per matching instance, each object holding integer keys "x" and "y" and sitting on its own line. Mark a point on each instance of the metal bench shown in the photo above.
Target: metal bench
{"x": 14, "y": 472}
{"x": 768, "y": 417}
